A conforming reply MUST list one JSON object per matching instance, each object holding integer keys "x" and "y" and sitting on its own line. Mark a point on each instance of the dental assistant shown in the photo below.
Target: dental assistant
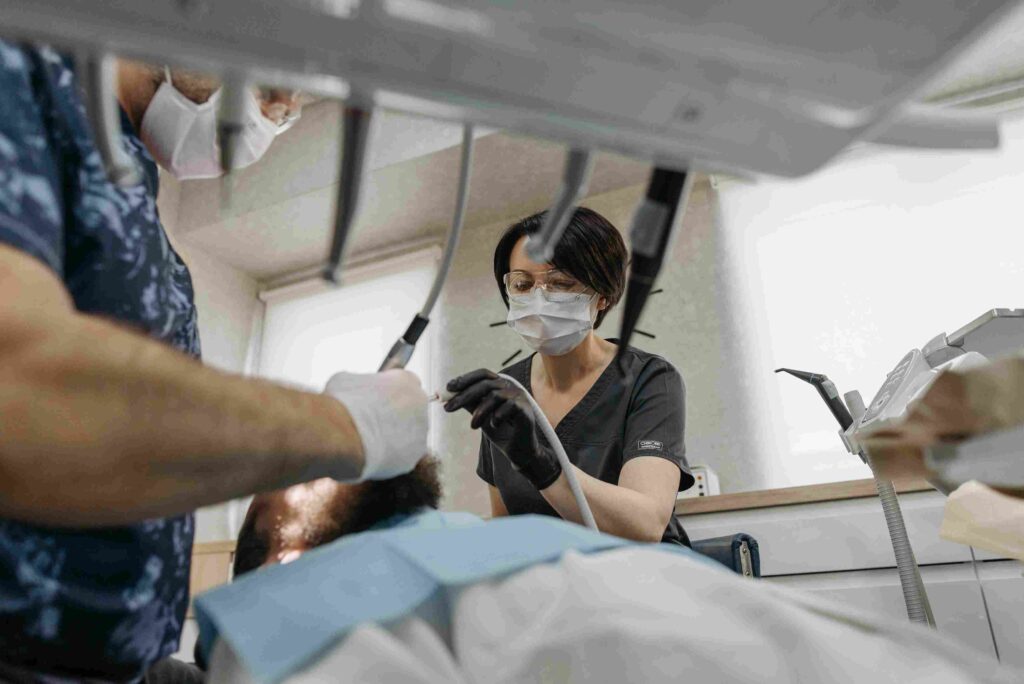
{"x": 111, "y": 432}
{"x": 624, "y": 440}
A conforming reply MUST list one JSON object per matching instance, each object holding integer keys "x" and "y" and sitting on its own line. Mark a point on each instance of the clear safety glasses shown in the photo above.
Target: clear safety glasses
{"x": 555, "y": 285}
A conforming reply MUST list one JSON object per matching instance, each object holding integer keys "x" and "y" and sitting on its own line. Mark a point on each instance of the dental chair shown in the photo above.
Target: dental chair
{"x": 738, "y": 552}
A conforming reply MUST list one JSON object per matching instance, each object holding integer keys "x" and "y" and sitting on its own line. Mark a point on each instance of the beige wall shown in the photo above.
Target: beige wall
{"x": 228, "y": 307}
{"x": 693, "y": 320}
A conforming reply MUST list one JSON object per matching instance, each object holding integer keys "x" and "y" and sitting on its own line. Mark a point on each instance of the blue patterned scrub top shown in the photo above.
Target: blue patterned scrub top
{"x": 88, "y": 602}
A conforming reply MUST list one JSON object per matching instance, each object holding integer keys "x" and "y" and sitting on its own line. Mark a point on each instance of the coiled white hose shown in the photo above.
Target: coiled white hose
{"x": 563, "y": 458}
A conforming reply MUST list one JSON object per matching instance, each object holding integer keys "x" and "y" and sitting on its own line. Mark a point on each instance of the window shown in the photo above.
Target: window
{"x": 846, "y": 271}
{"x": 312, "y": 332}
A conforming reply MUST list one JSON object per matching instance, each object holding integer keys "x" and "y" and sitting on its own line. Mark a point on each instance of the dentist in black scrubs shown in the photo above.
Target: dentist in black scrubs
{"x": 625, "y": 442}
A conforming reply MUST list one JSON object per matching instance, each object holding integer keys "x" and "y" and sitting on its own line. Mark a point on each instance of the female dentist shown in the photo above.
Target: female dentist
{"x": 624, "y": 440}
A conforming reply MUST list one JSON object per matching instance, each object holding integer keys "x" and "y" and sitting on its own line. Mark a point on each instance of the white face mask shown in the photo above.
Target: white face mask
{"x": 182, "y": 135}
{"x": 553, "y": 324}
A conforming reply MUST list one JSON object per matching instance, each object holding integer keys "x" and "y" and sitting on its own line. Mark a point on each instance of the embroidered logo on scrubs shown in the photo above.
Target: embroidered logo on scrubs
{"x": 650, "y": 445}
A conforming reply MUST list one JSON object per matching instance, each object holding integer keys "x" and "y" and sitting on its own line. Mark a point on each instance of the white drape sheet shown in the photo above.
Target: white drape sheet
{"x": 638, "y": 615}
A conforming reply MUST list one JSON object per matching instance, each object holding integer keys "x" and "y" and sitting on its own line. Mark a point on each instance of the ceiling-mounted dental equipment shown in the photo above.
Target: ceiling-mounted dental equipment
{"x": 739, "y": 86}
{"x": 356, "y": 140}
{"x": 575, "y": 177}
{"x": 97, "y": 75}
{"x": 650, "y": 239}
{"x": 402, "y": 350}
{"x": 231, "y": 118}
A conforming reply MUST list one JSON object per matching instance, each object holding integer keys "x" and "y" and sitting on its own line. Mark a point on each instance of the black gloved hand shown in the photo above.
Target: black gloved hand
{"x": 505, "y": 415}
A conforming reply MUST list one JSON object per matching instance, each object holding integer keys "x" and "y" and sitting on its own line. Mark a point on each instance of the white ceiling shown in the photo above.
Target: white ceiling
{"x": 280, "y": 211}
{"x": 275, "y": 217}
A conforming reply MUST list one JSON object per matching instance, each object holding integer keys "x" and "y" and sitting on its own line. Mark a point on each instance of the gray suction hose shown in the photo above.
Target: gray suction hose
{"x": 563, "y": 458}
{"x": 914, "y": 594}
{"x": 401, "y": 351}
{"x": 461, "y": 200}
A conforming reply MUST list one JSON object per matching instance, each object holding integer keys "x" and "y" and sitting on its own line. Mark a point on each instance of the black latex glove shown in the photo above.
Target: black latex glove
{"x": 503, "y": 412}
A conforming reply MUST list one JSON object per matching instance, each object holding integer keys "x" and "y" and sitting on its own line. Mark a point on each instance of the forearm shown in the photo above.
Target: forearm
{"x": 103, "y": 426}
{"x": 617, "y": 510}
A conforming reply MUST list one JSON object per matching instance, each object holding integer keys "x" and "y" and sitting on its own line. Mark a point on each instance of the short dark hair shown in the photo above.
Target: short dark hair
{"x": 591, "y": 251}
{"x": 374, "y": 501}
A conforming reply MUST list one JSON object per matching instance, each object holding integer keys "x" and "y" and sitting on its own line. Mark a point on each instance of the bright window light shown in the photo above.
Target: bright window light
{"x": 309, "y": 338}
{"x": 846, "y": 271}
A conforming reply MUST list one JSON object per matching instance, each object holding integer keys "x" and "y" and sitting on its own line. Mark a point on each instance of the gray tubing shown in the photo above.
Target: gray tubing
{"x": 563, "y": 458}
{"x": 462, "y": 198}
{"x": 914, "y": 594}
{"x": 97, "y": 74}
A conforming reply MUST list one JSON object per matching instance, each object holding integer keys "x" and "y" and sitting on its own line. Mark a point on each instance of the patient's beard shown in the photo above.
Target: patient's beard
{"x": 378, "y": 500}
{"x": 322, "y": 515}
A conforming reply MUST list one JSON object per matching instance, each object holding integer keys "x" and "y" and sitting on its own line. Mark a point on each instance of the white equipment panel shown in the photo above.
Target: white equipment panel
{"x": 740, "y": 85}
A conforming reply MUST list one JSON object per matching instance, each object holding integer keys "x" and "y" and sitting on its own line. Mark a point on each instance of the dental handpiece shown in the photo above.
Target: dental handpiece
{"x": 442, "y": 395}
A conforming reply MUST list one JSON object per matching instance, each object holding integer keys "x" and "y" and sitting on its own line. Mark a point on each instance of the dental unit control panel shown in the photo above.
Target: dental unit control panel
{"x": 992, "y": 334}
{"x": 995, "y": 333}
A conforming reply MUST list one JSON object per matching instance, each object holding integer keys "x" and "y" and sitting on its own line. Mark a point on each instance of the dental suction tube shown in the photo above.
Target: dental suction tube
{"x": 356, "y": 133}
{"x": 97, "y": 74}
{"x": 403, "y": 348}
{"x": 586, "y": 515}
{"x": 578, "y": 164}
{"x": 651, "y": 236}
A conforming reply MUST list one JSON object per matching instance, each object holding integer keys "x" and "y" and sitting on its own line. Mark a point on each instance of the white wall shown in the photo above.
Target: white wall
{"x": 229, "y": 310}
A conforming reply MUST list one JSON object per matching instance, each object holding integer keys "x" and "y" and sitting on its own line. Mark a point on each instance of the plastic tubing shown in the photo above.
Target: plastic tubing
{"x": 918, "y": 607}
{"x": 97, "y": 74}
{"x": 402, "y": 350}
{"x": 357, "y": 129}
{"x": 455, "y": 233}
{"x": 563, "y": 458}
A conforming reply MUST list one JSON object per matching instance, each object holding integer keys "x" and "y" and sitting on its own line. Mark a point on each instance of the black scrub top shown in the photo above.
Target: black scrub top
{"x": 610, "y": 425}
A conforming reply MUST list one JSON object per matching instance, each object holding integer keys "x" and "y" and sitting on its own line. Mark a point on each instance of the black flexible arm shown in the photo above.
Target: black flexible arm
{"x": 356, "y": 132}
{"x": 650, "y": 236}
{"x": 828, "y": 392}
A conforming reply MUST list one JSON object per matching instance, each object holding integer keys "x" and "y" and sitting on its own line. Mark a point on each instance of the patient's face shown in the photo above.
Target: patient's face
{"x": 301, "y": 517}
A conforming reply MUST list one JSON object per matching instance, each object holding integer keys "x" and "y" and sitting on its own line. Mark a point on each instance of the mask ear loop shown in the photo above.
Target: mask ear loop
{"x": 181, "y": 96}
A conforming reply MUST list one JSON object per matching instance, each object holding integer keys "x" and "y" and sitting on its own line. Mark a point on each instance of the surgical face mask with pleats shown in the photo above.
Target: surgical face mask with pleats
{"x": 182, "y": 135}
{"x": 552, "y": 323}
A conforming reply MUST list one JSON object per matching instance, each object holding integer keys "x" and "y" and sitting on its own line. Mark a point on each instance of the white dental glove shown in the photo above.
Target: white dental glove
{"x": 389, "y": 410}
